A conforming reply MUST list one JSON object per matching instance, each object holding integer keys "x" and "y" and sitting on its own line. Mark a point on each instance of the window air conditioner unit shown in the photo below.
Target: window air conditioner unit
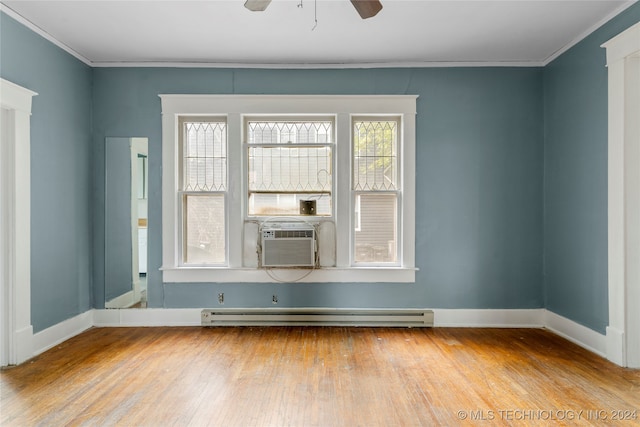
{"x": 288, "y": 245}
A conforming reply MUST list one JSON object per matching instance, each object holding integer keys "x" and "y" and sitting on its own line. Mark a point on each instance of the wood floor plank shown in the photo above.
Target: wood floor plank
{"x": 318, "y": 376}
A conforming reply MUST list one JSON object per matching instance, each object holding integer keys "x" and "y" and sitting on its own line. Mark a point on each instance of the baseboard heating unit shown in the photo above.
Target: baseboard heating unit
{"x": 418, "y": 318}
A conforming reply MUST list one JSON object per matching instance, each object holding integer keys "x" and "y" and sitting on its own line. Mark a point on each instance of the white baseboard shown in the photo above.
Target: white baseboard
{"x": 56, "y": 334}
{"x": 528, "y": 318}
{"x": 23, "y": 346}
{"x": 463, "y": 318}
{"x": 576, "y": 333}
{"x": 147, "y": 317}
{"x": 479, "y": 318}
{"x": 534, "y": 318}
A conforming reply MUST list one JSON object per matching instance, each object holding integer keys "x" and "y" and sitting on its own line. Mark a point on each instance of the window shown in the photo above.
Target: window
{"x": 289, "y": 160}
{"x": 376, "y": 190}
{"x": 203, "y": 190}
{"x": 231, "y": 162}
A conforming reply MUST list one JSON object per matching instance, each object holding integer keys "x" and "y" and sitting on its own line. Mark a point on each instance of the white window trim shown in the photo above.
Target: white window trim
{"x": 235, "y": 108}
{"x": 15, "y": 224}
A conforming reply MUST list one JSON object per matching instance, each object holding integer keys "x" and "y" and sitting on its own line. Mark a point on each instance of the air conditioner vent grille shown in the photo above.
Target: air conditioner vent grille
{"x": 293, "y": 234}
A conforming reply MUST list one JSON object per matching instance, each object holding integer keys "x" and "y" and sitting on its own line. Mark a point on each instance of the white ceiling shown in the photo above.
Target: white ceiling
{"x": 404, "y": 33}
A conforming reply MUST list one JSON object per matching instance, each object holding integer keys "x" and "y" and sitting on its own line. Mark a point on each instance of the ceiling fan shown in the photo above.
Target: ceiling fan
{"x": 365, "y": 8}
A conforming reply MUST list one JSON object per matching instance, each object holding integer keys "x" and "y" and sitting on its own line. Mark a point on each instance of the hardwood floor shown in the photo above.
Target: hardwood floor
{"x": 318, "y": 376}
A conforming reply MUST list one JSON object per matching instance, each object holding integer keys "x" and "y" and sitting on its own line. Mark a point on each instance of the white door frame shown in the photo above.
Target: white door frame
{"x": 15, "y": 226}
{"x": 623, "y": 332}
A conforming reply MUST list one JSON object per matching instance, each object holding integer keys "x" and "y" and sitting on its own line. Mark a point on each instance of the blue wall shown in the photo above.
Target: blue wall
{"x": 61, "y": 157}
{"x": 479, "y": 184}
{"x": 575, "y": 178}
{"x": 512, "y": 175}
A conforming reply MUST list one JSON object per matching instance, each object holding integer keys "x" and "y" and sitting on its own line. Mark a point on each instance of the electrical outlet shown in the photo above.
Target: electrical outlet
{"x": 274, "y": 300}
{"x": 221, "y": 298}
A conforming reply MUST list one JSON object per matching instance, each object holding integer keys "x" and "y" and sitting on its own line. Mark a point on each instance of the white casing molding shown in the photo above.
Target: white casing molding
{"x": 623, "y": 332}
{"x": 16, "y": 221}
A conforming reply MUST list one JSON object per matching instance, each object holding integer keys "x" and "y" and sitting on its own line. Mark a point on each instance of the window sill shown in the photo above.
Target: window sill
{"x": 319, "y": 275}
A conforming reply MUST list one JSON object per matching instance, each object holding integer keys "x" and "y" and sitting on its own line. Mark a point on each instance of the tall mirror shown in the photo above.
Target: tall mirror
{"x": 126, "y": 202}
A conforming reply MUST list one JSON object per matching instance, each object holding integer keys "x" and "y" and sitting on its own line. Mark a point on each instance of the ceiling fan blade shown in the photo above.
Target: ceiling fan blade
{"x": 367, "y": 8}
{"x": 257, "y": 5}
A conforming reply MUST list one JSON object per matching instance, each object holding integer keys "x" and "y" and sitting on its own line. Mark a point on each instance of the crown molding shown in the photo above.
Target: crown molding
{"x": 586, "y": 33}
{"x": 42, "y": 33}
{"x": 298, "y": 66}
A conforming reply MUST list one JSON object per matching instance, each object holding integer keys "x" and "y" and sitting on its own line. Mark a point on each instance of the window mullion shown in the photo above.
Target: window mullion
{"x": 343, "y": 199}
{"x": 235, "y": 188}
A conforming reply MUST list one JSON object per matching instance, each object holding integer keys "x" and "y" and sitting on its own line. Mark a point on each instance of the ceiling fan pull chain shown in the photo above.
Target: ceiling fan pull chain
{"x": 315, "y": 14}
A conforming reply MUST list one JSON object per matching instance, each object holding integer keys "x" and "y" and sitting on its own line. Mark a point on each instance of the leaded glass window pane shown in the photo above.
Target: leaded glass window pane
{"x": 205, "y": 156}
{"x": 289, "y": 132}
{"x": 375, "y": 158}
